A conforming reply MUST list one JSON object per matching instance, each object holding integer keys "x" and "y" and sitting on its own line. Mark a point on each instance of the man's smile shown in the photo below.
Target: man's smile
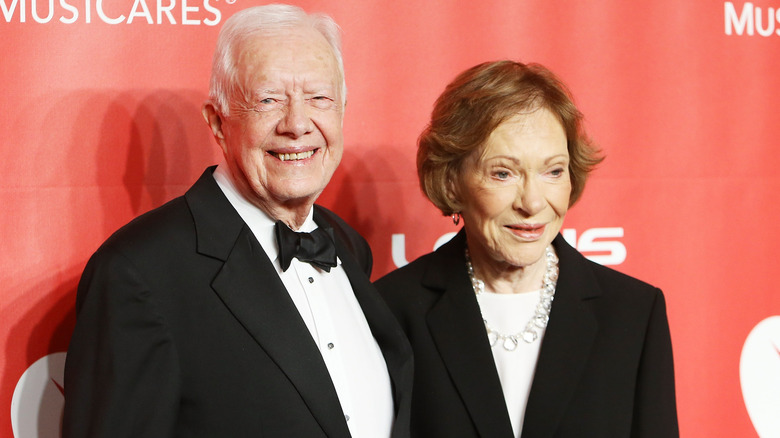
{"x": 293, "y": 156}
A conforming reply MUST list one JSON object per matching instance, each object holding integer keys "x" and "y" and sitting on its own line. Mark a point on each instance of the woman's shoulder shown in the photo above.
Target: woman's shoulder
{"x": 609, "y": 276}
{"x": 411, "y": 290}
{"x": 434, "y": 268}
{"x": 610, "y": 280}
{"x": 410, "y": 273}
{"x": 626, "y": 294}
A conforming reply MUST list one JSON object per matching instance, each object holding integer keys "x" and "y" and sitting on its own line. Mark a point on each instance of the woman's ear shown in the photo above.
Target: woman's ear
{"x": 452, "y": 188}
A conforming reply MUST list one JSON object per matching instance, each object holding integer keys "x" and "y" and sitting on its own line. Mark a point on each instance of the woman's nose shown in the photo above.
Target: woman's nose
{"x": 530, "y": 197}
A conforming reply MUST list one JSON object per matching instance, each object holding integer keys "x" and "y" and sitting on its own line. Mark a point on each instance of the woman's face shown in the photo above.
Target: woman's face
{"x": 515, "y": 191}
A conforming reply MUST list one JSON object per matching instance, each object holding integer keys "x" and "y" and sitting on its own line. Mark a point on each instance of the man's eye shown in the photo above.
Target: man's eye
{"x": 322, "y": 102}
{"x": 268, "y": 104}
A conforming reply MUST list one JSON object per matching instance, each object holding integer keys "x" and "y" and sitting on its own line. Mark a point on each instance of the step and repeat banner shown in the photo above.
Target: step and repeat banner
{"x": 101, "y": 122}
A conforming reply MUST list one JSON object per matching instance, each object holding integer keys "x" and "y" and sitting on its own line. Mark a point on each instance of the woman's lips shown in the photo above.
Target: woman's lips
{"x": 527, "y": 232}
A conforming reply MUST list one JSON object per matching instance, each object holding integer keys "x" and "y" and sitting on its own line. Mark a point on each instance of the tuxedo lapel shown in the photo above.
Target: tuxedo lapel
{"x": 250, "y": 288}
{"x": 566, "y": 345}
{"x": 459, "y": 333}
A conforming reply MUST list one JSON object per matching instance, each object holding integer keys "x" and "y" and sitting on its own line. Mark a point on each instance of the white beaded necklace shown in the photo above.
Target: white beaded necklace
{"x": 541, "y": 314}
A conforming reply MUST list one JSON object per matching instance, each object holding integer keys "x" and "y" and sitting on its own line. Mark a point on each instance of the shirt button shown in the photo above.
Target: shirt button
{"x": 346, "y": 417}
{"x": 331, "y": 346}
{"x": 311, "y": 280}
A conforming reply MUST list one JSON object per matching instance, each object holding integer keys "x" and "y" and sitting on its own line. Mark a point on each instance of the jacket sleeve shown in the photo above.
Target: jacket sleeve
{"x": 655, "y": 408}
{"x": 121, "y": 377}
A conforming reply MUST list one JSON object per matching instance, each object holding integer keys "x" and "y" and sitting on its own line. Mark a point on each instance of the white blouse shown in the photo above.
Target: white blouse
{"x": 509, "y": 314}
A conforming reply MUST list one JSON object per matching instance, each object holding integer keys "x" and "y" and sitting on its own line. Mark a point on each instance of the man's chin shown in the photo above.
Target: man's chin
{"x": 296, "y": 198}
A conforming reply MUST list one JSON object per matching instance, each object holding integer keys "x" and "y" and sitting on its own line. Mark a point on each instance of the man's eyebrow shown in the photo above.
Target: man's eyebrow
{"x": 267, "y": 91}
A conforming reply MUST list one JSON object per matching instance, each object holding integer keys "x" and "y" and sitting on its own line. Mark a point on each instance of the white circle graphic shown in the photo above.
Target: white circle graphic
{"x": 38, "y": 400}
{"x": 759, "y": 375}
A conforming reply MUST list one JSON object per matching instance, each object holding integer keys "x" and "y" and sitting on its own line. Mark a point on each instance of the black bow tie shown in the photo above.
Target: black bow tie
{"x": 316, "y": 248}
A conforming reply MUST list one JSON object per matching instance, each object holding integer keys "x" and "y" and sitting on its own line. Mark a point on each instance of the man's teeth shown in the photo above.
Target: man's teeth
{"x": 297, "y": 156}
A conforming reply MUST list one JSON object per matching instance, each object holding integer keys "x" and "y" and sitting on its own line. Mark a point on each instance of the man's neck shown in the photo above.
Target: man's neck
{"x": 292, "y": 212}
{"x": 292, "y": 216}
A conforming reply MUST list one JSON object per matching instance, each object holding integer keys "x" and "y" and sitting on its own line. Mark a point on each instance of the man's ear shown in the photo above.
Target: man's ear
{"x": 214, "y": 119}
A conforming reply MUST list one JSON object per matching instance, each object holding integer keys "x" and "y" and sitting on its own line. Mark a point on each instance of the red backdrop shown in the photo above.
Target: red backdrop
{"x": 101, "y": 122}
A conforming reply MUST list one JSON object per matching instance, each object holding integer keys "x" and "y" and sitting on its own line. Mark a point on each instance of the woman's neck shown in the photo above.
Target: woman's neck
{"x": 503, "y": 278}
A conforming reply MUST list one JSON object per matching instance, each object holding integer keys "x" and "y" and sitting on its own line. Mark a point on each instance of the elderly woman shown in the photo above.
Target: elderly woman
{"x": 514, "y": 332}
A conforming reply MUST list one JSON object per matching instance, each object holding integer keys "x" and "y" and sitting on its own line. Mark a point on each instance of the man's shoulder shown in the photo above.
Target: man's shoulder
{"x": 332, "y": 218}
{"x": 154, "y": 245}
{"x": 170, "y": 224}
{"x": 162, "y": 226}
{"x": 347, "y": 236}
{"x": 339, "y": 225}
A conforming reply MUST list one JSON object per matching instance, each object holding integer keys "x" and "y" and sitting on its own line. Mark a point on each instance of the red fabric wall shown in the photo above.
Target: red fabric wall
{"x": 101, "y": 121}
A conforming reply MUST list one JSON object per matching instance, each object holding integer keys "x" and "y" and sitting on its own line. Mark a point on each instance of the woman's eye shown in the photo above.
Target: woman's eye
{"x": 557, "y": 172}
{"x": 501, "y": 174}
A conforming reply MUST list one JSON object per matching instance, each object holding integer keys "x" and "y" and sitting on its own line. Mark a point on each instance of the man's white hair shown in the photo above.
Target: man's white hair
{"x": 263, "y": 19}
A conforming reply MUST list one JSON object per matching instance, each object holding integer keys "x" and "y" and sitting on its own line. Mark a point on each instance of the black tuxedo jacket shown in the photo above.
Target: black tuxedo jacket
{"x": 604, "y": 369}
{"x": 184, "y": 329}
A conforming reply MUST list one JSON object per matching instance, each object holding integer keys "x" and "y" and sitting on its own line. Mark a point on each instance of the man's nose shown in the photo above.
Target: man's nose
{"x": 295, "y": 121}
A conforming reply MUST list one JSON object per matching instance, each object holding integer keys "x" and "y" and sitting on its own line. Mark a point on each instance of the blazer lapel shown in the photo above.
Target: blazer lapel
{"x": 566, "y": 345}
{"x": 250, "y": 287}
{"x": 458, "y": 331}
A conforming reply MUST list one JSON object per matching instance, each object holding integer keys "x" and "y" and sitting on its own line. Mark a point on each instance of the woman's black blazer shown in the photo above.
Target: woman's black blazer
{"x": 604, "y": 370}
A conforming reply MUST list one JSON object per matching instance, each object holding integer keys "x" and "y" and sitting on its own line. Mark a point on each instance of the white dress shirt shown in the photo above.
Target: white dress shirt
{"x": 332, "y": 314}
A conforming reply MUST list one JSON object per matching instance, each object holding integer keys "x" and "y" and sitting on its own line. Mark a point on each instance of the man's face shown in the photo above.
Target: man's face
{"x": 283, "y": 136}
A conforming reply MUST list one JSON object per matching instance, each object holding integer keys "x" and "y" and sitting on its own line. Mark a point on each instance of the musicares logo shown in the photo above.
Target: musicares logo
{"x": 184, "y": 12}
{"x": 751, "y": 20}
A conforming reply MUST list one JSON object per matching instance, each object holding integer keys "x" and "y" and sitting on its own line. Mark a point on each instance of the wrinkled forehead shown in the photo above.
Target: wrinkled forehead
{"x": 299, "y": 52}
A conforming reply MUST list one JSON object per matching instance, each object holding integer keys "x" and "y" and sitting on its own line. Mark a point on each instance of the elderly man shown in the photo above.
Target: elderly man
{"x": 241, "y": 308}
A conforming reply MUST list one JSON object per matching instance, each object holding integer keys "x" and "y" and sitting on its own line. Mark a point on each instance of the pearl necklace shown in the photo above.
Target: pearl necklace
{"x": 541, "y": 314}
